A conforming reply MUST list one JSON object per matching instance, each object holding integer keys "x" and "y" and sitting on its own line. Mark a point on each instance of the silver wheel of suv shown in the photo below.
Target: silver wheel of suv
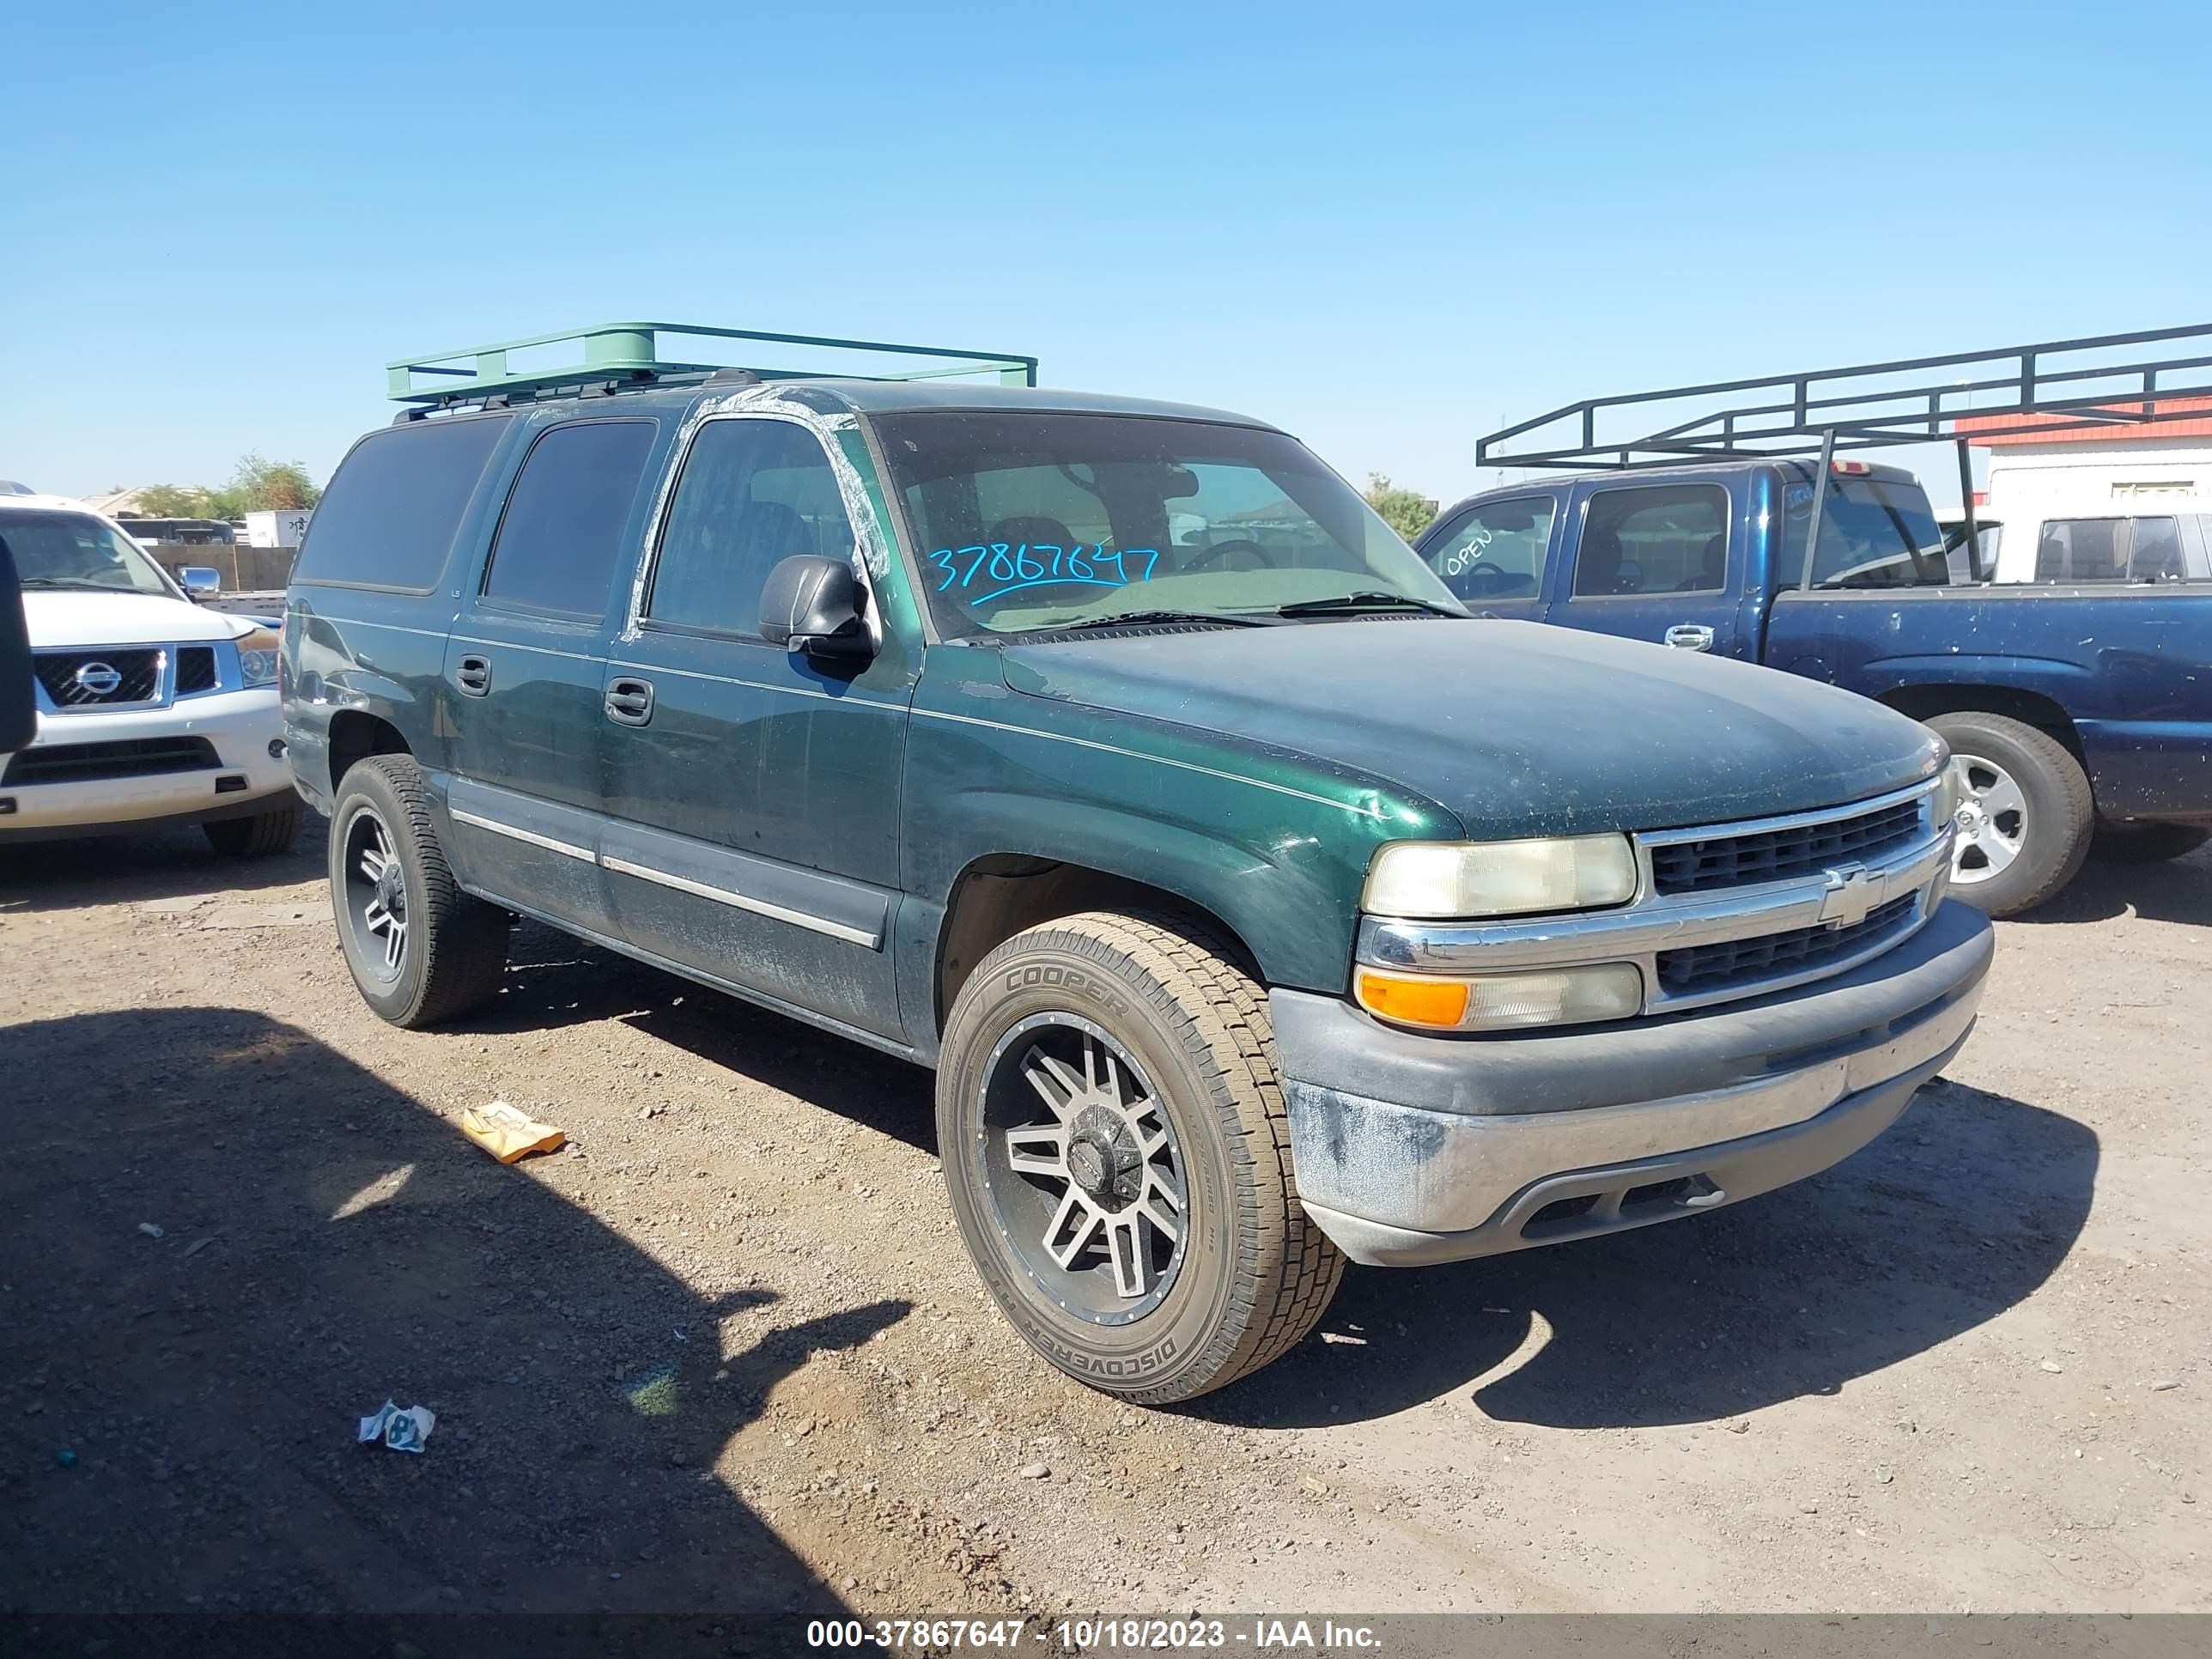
{"x": 1992, "y": 822}
{"x": 375, "y": 901}
{"x": 1085, "y": 1175}
{"x": 1117, "y": 1153}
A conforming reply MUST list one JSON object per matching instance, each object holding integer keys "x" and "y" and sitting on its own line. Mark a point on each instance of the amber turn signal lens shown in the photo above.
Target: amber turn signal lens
{"x": 1413, "y": 1001}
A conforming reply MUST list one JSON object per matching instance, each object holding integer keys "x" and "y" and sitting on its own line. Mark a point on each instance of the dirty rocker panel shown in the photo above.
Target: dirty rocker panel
{"x": 833, "y": 905}
{"x": 804, "y": 898}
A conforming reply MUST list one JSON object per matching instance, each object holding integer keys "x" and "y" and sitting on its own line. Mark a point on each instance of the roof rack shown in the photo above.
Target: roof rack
{"x": 1874, "y": 404}
{"x": 620, "y": 356}
{"x": 2031, "y": 389}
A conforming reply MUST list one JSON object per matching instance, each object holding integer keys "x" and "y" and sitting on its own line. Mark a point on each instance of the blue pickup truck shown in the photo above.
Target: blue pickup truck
{"x": 2076, "y": 713}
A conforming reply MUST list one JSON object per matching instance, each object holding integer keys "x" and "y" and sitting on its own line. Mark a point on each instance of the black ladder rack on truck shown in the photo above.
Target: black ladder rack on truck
{"x": 2047, "y": 387}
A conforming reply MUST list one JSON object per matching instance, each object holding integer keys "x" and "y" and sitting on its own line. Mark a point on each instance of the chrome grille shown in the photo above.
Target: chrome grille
{"x": 1784, "y": 853}
{"x": 195, "y": 669}
{"x": 137, "y": 670}
{"x": 1702, "y": 969}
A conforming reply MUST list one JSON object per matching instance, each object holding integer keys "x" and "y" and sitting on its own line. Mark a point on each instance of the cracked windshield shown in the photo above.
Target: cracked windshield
{"x": 1041, "y": 521}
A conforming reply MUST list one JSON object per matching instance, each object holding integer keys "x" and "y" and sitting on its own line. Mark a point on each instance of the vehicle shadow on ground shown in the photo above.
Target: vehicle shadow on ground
{"x": 179, "y": 1427}
{"x": 555, "y": 979}
{"x": 1960, "y": 1211}
{"x": 77, "y": 875}
{"x": 2178, "y": 890}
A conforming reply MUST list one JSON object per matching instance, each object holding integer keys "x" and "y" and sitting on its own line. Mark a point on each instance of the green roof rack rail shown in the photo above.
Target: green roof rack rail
{"x": 616, "y": 354}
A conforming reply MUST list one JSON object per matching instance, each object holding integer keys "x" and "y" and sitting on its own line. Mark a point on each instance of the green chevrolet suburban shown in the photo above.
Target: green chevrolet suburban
{"x": 1257, "y": 908}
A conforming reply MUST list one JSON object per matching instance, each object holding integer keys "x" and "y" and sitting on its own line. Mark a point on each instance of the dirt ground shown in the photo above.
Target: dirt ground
{"x": 727, "y": 1355}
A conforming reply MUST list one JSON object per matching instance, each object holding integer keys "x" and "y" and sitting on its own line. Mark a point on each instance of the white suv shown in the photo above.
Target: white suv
{"x": 153, "y": 713}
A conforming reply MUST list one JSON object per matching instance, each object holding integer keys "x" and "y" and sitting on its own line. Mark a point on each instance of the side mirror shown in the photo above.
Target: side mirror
{"x": 201, "y": 582}
{"x": 816, "y": 605}
{"x": 19, "y": 708}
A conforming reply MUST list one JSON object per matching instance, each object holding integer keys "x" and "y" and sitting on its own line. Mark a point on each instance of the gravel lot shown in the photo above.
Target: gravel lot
{"x": 727, "y": 1355}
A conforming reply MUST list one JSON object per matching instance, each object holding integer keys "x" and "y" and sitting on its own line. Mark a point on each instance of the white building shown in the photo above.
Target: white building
{"x": 2112, "y": 469}
{"x": 2090, "y": 476}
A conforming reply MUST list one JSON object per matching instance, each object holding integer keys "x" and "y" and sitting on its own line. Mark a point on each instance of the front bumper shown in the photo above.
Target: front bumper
{"x": 1414, "y": 1148}
{"x": 239, "y": 726}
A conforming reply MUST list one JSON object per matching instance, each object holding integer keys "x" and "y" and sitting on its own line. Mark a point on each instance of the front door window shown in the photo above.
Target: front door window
{"x": 1495, "y": 551}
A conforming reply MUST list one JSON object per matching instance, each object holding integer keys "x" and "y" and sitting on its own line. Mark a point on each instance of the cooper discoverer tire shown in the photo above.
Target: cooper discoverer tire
{"x": 420, "y": 949}
{"x": 1117, "y": 1153}
{"x": 2025, "y": 828}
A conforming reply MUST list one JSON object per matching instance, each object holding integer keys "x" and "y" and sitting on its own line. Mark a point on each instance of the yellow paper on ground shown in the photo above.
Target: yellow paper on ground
{"x": 507, "y": 1134}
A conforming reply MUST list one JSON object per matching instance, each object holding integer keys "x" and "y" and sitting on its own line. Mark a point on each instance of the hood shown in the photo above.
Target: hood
{"x": 1518, "y": 727}
{"x": 69, "y": 617}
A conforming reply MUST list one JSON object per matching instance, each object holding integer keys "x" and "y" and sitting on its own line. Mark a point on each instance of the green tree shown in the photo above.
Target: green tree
{"x": 175, "y": 501}
{"x": 260, "y": 485}
{"x": 1404, "y": 511}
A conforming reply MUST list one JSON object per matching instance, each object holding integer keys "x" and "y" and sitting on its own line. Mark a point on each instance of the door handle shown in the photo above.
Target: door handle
{"x": 473, "y": 675}
{"x": 1690, "y": 636}
{"x": 630, "y": 701}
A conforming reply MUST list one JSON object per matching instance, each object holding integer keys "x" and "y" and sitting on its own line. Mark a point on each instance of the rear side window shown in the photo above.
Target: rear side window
{"x": 1663, "y": 539}
{"x": 2109, "y": 550}
{"x": 1495, "y": 550}
{"x": 562, "y": 532}
{"x": 390, "y": 516}
{"x": 753, "y": 494}
{"x": 1874, "y": 532}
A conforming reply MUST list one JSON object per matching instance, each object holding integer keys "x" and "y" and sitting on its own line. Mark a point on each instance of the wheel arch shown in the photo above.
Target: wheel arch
{"x": 354, "y": 735}
{"x": 1924, "y": 701}
{"x": 998, "y": 894}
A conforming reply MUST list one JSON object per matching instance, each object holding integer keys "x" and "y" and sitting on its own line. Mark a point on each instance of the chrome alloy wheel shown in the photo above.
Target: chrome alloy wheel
{"x": 1991, "y": 821}
{"x": 376, "y": 898}
{"x": 1084, "y": 1173}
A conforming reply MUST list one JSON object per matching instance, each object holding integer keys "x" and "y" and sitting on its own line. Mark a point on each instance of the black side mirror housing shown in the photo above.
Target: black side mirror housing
{"x": 19, "y": 709}
{"x": 817, "y": 607}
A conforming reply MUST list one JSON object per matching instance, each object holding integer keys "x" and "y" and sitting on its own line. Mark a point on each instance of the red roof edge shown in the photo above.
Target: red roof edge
{"x": 1966, "y": 426}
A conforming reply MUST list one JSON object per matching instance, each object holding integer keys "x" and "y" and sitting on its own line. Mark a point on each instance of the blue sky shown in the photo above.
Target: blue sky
{"x": 1386, "y": 227}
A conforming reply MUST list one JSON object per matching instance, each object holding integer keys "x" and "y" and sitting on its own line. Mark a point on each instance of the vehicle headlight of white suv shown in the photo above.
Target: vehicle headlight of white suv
{"x": 256, "y": 656}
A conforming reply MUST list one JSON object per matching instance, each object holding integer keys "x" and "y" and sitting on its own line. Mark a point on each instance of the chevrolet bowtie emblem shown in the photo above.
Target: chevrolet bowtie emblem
{"x": 1848, "y": 897}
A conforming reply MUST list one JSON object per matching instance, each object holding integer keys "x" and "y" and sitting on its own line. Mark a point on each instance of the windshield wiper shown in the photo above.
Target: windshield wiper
{"x": 74, "y": 583}
{"x": 1367, "y": 601}
{"x": 1148, "y": 618}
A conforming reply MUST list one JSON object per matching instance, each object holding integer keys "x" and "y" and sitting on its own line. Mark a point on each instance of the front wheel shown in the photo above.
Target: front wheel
{"x": 2025, "y": 824}
{"x": 1117, "y": 1153}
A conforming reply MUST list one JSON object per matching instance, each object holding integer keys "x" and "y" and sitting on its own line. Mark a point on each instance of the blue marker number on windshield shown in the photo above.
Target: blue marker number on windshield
{"x": 985, "y": 573}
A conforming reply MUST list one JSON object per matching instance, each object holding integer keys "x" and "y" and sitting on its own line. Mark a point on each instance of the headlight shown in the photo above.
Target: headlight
{"x": 1497, "y": 1002}
{"x": 256, "y": 656}
{"x": 1448, "y": 879}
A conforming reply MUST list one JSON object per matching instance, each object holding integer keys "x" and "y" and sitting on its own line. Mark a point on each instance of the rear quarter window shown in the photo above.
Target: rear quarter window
{"x": 390, "y": 515}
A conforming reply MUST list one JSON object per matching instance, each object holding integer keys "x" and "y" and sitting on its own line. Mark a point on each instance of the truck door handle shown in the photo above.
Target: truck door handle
{"x": 473, "y": 675}
{"x": 1690, "y": 636}
{"x": 629, "y": 702}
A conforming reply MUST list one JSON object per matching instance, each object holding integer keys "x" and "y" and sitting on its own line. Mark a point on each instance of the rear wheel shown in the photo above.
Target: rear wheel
{"x": 259, "y": 836}
{"x": 2147, "y": 843}
{"x": 2024, "y": 826}
{"x": 1118, "y": 1157}
{"x": 420, "y": 950}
